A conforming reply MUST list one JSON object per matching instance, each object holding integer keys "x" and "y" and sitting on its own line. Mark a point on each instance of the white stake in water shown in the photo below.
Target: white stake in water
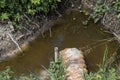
{"x": 56, "y": 53}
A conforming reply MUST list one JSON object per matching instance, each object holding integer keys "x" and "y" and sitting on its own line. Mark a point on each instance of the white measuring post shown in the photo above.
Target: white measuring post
{"x": 56, "y": 53}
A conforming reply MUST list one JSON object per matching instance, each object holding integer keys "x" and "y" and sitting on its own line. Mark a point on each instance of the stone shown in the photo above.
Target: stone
{"x": 74, "y": 61}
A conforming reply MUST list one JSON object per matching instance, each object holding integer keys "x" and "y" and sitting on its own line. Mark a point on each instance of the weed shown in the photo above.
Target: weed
{"x": 103, "y": 73}
{"x": 57, "y": 70}
{"x": 116, "y": 6}
{"x": 101, "y": 7}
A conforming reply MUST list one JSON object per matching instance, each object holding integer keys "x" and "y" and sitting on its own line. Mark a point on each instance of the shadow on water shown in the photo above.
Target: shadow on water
{"x": 68, "y": 32}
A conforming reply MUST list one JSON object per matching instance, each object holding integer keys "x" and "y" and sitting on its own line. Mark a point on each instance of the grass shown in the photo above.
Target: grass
{"x": 103, "y": 72}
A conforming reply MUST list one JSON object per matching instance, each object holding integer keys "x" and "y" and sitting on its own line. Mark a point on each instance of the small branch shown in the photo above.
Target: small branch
{"x": 50, "y": 31}
{"x": 27, "y": 29}
{"x": 117, "y": 36}
{"x": 66, "y": 3}
{"x": 60, "y": 15}
{"x": 14, "y": 41}
{"x": 10, "y": 26}
{"x": 36, "y": 25}
{"x": 31, "y": 21}
{"x": 27, "y": 17}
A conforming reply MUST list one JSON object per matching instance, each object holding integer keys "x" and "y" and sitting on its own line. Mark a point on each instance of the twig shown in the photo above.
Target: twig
{"x": 117, "y": 36}
{"x": 45, "y": 69}
{"x": 66, "y": 1}
{"x": 27, "y": 17}
{"x": 60, "y": 15}
{"x": 27, "y": 29}
{"x": 97, "y": 42}
{"x": 31, "y": 21}
{"x": 14, "y": 41}
{"x": 87, "y": 49}
{"x": 50, "y": 32}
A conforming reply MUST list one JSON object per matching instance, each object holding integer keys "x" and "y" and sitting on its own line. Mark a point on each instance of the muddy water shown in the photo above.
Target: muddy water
{"x": 68, "y": 32}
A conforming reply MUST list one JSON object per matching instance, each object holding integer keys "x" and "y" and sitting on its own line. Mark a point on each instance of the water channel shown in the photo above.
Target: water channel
{"x": 68, "y": 32}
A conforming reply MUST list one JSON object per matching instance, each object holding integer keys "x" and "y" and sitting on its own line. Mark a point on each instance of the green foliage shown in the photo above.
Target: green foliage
{"x": 101, "y": 7}
{"x": 116, "y": 6}
{"x": 14, "y": 9}
{"x": 57, "y": 70}
{"x": 99, "y": 10}
{"x": 4, "y": 16}
{"x": 30, "y": 77}
{"x": 5, "y": 75}
{"x": 103, "y": 66}
{"x": 103, "y": 73}
{"x": 85, "y": 23}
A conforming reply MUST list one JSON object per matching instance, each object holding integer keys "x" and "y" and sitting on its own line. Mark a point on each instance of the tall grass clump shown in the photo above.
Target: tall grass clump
{"x": 103, "y": 72}
{"x": 57, "y": 70}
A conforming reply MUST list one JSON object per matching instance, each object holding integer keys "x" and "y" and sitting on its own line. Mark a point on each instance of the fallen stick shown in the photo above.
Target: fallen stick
{"x": 14, "y": 41}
